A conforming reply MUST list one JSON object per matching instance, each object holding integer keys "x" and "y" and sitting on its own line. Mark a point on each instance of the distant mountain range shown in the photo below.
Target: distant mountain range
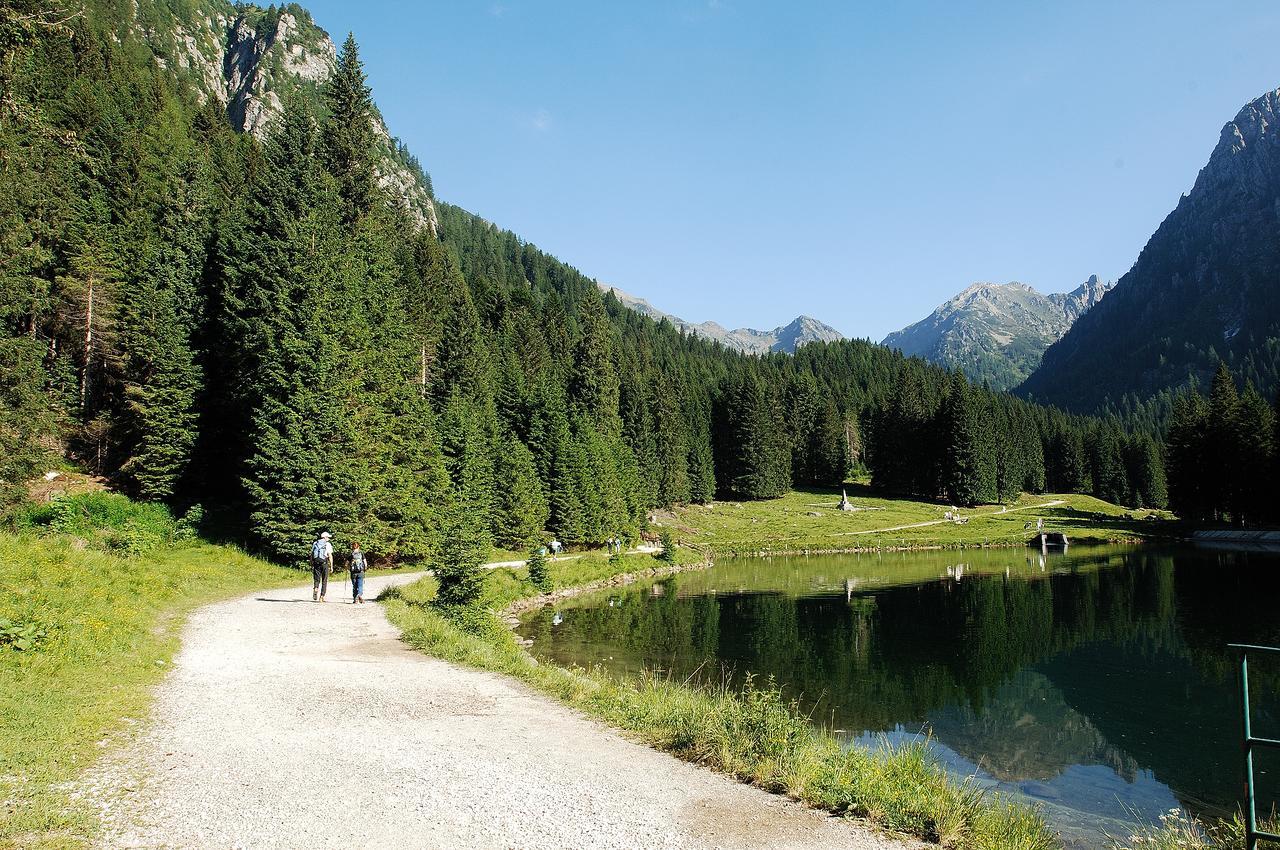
{"x": 996, "y": 332}
{"x": 786, "y": 338}
{"x": 1205, "y": 288}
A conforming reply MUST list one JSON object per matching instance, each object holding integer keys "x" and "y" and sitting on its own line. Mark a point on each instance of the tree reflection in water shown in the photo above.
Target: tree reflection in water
{"x": 1040, "y": 673}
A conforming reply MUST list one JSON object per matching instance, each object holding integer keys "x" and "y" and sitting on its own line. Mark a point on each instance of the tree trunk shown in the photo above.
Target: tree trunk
{"x": 88, "y": 349}
{"x": 423, "y": 380}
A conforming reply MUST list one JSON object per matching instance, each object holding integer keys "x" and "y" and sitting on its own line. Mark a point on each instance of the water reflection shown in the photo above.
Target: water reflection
{"x": 1095, "y": 682}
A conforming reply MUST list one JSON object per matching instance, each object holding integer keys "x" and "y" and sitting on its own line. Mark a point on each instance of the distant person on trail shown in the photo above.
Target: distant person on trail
{"x": 358, "y": 566}
{"x": 321, "y": 566}
{"x": 555, "y": 548}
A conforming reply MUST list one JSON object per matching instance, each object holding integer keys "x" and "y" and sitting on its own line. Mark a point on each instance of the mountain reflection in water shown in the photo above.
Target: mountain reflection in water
{"x": 1096, "y": 682}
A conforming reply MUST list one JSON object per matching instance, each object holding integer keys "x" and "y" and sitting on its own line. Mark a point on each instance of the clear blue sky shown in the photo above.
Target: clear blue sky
{"x": 858, "y": 162}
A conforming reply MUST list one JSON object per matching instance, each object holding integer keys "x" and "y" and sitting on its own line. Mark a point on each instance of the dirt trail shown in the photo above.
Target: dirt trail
{"x": 286, "y": 723}
{"x": 1052, "y": 504}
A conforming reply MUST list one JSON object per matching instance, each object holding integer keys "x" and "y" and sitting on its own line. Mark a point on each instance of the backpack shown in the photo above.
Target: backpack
{"x": 317, "y": 551}
{"x": 357, "y": 562}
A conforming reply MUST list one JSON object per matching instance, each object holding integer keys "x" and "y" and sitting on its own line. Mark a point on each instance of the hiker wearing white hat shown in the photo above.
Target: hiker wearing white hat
{"x": 321, "y": 566}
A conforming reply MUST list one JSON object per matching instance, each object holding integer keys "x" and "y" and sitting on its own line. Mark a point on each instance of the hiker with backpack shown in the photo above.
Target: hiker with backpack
{"x": 358, "y": 567}
{"x": 321, "y": 566}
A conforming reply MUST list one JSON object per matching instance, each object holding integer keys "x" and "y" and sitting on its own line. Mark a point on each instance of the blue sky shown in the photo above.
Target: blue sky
{"x": 859, "y": 162}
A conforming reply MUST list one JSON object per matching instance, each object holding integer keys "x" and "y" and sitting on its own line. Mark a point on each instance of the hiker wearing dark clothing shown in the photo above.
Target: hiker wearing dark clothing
{"x": 358, "y": 567}
{"x": 321, "y": 566}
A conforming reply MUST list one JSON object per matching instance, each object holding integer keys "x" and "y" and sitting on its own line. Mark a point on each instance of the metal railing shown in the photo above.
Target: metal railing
{"x": 1252, "y": 833}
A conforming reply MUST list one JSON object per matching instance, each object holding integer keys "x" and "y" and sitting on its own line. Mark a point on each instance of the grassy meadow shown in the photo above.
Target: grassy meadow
{"x": 809, "y": 521}
{"x": 93, "y": 593}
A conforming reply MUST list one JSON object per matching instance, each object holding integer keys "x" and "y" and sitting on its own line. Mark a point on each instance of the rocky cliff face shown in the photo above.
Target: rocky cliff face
{"x": 1204, "y": 287}
{"x": 251, "y": 60}
{"x": 996, "y": 332}
{"x": 786, "y": 338}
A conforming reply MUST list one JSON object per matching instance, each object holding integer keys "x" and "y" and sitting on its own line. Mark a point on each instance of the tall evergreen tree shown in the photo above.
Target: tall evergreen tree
{"x": 522, "y": 509}
{"x": 347, "y": 133}
{"x": 968, "y": 474}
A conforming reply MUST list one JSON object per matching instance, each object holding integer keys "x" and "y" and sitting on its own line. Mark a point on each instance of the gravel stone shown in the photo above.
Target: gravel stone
{"x": 284, "y": 723}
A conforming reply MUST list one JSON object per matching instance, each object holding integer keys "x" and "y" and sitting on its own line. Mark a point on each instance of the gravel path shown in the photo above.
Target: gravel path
{"x": 291, "y": 724}
{"x": 1052, "y": 504}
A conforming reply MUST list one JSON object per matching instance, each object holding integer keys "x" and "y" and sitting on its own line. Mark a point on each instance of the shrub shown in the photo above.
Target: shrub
{"x": 668, "y": 553}
{"x": 21, "y": 637}
{"x": 537, "y": 567}
{"x": 110, "y": 521}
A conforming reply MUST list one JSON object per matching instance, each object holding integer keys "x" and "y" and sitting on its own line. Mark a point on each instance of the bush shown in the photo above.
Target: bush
{"x": 21, "y": 637}
{"x": 668, "y": 553}
{"x": 189, "y": 525}
{"x": 537, "y": 567}
{"x": 110, "y": 521}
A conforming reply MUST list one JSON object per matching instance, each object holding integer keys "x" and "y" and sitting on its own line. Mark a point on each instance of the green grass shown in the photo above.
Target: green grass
{"x": 754, "y": 734}
{"x": 1179, "y": 831}
{"x": 808, "y": 521}
{"x": 109, "y": 595}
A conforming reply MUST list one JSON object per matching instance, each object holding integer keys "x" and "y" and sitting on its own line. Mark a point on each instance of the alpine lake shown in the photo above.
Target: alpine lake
{"x": 1095, "y": 683}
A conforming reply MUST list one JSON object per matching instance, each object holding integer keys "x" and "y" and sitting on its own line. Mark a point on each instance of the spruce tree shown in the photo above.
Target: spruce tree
{"x": 522, "y": 509}
{"x": 1190, "y": 490}
{"x": 1224, "y": 443}
{"x": 347, "y": 134}
{"x": 1253, "y": 486}
{"x": 459, "y": 568}
{"x": 968, "y": 478}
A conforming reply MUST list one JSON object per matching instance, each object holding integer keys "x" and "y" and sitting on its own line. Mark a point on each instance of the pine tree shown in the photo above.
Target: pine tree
{"x": 755, "y": 448}
{"x": 1224, "y": 444}
{"x": 157, "y": 325}
{"x": 1253, "y": 485}
{"x": 672, "y": 449}
{"x": 1146, "y": 473}
{"x": 1190, "y": 491}
{"x": 347, "y": 133}
{"x": 293, "y": 283}
{"x": 702, "y": 472}
{"x": 595, "y": 387}
{"x": 459, "y": 568}
{"x": 26, "y": 416}
{"x": 828, "y": 454}
{"x": 1110, "y": 478}
{"x": 522, "y": 508}
{"x": 968, "y": 476}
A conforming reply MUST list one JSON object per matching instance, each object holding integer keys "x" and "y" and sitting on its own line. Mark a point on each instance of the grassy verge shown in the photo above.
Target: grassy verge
{"x": 1179, "y": 831}
{"x": 808, "y": 521}
{"x": 99, "y": 587}
{"x": 754, "y": 734}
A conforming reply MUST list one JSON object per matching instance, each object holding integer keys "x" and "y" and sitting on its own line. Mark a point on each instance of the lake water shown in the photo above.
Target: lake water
{"x": 1096, "y": 683}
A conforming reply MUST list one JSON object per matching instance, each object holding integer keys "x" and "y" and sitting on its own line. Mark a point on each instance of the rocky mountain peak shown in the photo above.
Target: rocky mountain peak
{"x": 996, "y": 332}
{"x": 251, "y": 59}
{"x": 1201, "y": 291}
{"x": 1246, "y": 154}
{"x": 801, "y": 330}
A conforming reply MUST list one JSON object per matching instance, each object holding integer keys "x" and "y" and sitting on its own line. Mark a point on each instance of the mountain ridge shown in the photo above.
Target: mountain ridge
{"x": 786, "y": 338}
{"x": 996, "y": 332}
{"x": 1201, "y": 291}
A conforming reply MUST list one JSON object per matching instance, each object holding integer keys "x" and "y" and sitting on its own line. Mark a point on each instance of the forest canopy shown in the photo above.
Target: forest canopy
{"x": 261, "y": 329}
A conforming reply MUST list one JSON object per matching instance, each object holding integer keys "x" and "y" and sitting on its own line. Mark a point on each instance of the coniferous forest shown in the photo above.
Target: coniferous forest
{"x": 259, "y": 329}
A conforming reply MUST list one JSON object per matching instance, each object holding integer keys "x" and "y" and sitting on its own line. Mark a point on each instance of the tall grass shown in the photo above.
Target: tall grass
{"x": 106, "y": 583}
{"x": 752, "y": 733}
{"x": 1177, "y": 830}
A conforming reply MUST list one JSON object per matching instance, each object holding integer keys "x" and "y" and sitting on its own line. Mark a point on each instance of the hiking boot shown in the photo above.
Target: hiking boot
{"x": 361, "y": 600}
{"x": 315, "y": 596}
